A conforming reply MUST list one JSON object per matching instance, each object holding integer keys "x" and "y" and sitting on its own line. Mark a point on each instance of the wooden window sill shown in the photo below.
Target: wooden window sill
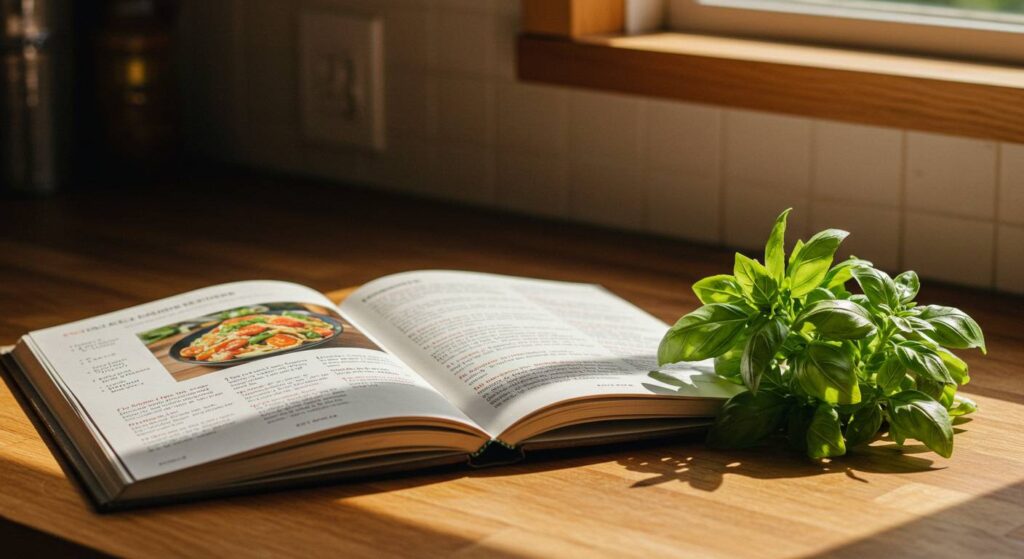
{"x": 918, "y": 93}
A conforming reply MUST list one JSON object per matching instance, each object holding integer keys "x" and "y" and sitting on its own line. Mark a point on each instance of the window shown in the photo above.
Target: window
{"x": 977, "y": 29}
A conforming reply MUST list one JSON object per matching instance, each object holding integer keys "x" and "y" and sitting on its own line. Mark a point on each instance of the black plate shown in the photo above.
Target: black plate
{"x": 181, "y": 344}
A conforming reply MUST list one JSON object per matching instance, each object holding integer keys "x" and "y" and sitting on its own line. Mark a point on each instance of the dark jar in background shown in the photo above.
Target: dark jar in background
{"x": 137, "y": 90}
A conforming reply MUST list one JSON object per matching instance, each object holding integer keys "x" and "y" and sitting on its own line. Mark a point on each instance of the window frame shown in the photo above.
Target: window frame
{"x": 881, "y": 31}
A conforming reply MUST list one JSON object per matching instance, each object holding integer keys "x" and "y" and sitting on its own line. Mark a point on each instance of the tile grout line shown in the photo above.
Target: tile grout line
{"x": 994, "y": 279}
{"x": 901, "y": 230}
{"x": 812, "y": 167}
{"x": 723, "y": 115}
{"x": 644, "y": 148}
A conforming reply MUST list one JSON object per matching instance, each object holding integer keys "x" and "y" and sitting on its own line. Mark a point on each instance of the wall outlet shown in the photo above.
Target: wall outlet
{"x": 341, "y": 79}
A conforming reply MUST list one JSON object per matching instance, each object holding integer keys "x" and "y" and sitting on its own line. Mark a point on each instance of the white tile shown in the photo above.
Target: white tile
{"x": 949, "y": 249}
{"x": 505, "y": 37}
{"x": 407, "y": 164}
{"x": 465, "y": 110}
{"x": 411, "y": 102}
{"x": 1011, "y": 186}
{"x": 683, "y": 138}
{"x": 858, "y": 163}
{"x": 534, "y": 184}
{"x": 751, "y": 211}
{"x": 465, "y": 42}
{"x": 406, "y": 38}
{"x": 533, "y": 118}
{"x": 609, "y": 195}
{"x": 874, "y": 231}
{"x": 605, "y": 127}
{"x": 1010, "y": 259}
{"x": 478, "y": 6}
{"x": 770, "y": 150}
{"x": 684, "y": 206}
{"x": 951, "y": 175}
{"x": 466, "y": 173}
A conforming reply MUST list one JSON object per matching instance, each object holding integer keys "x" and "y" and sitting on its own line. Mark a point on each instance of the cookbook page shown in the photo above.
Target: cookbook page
{"x": 501, "y": 347}
{"x": 223, "y": 370}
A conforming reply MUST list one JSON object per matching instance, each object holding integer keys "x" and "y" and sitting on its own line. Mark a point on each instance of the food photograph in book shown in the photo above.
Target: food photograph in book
{"x": 240, "y": 335}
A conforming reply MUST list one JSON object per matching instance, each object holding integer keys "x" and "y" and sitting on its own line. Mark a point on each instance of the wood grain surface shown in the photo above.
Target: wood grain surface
{"x": 917, "y": 93}
{"x": 80, "y": 255}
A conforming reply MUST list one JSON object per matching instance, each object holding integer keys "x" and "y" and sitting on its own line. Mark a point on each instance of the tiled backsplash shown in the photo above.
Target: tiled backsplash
{"x": 461, "y": 127}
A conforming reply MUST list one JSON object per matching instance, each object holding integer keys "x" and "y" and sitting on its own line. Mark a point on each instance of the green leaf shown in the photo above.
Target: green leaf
{"x": 957, "y": 367}
{"x": 916, "y": 416}
{"x": 923, "y": 361}
{"x": 794, "y": 254}
{"x": 718, "y": 289}
{"x": 842, "y": 272}
{"x": 878, "y": 287}
{"x": 819, "y": 294}
{"x": 706, "y": 332}
{"x": 753, "y": 278}
{"x": 919, "y": 326}
{"x": 774, "y": 251}
{"x": 826, "y": 372}
{"x": 953, "y": 328}
{"x": 825, "y": 434}
{"x": 891, "y": 375}
{"x": 907, "y": 286}
{"x": 864, "y": 425}
{"x": 962, "y": 405}
{"x": 764, "y": 342}
{"x": 837, "y": 320}
{"x": 902, "y": 324}
{"x": 746, "y": 419}
{"x": 727, "y": 365}
{"x": 811, "y": 265}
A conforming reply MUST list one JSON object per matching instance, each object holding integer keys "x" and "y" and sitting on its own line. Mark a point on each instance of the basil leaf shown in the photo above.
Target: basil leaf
{"x": 819, "y": 294}
{"x": 901, "y": 324}
{"x": 957, "y": 367}
{"x": 746, "y": 419}
{"x": 953, "y": 328}
{"x": 907, "y": 286}
{"x": 753, "y": 278}
{"x": 774, "y": 250}
{"x": 811, "y": 265}
{"x": 878, "y": 287}
{"x": 824, "y": 434}
{"x": 919, "y": 325}
{"x": 837, "y": 320}
{"x": 706, "y": 332}
{"x": 718, "y": 289}
{"x": 916, "y": 416}
{"x": 826, "y": 372}
{"x": 728, "y": 364}
{"x": 864, "y": 425}
{"x": 760, "y": 349}
{"x": 795, "y": 252}
{"x": 962, "y": 405}
{"x": 891, "y": 375}
{"x": 924, "y": 362}
{"x": 842, "y": 272}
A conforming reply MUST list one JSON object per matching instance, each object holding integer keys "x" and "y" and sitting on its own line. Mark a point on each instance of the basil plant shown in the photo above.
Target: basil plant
{"x": 823, "y": 366}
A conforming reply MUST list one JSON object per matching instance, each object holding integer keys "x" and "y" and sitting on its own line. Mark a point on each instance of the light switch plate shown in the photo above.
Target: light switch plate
{"x": 341, "y": 78}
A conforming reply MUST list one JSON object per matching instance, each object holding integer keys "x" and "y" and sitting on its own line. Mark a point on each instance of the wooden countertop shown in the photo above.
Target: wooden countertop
{"x": 81, "y": 255}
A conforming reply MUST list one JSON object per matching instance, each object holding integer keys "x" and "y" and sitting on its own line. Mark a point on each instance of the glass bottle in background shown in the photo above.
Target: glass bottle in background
{"x": 34, "y": 95}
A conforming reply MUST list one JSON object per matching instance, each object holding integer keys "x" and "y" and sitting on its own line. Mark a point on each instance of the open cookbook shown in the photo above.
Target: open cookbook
{"x": 259, "y": 384}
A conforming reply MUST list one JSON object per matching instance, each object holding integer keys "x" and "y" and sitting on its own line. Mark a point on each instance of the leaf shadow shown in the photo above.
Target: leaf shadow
{"x": 705, "y": 469}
